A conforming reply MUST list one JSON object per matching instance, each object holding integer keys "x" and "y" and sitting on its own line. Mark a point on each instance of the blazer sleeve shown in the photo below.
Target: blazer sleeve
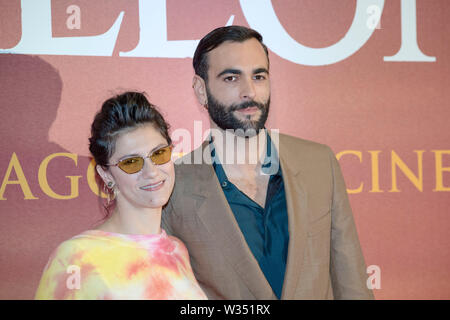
{"x": 347, "y": 266}
{"x": 168, "y": 212}
{"x": 166, "y": 219}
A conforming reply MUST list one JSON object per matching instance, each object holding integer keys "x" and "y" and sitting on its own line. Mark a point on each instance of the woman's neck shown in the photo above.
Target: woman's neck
{"x": 127, "y": 220}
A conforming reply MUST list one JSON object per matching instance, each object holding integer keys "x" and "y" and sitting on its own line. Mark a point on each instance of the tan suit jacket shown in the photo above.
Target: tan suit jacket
{"x": 324, "y": 255}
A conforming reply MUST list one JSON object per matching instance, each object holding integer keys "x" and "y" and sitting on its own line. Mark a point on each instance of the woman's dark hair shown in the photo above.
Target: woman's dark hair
{"x": 119, "y": 114}
{"x": 215, "y": 38}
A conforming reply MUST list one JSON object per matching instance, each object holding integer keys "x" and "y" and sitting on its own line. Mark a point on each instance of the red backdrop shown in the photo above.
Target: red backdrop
{"x": 385, "y": 120}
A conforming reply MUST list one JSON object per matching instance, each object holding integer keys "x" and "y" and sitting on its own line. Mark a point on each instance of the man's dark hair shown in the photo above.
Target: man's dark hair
{"x": 215, "y": 38}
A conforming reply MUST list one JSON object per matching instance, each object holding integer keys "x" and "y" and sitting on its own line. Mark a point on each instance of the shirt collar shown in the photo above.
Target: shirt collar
{"x": 270, "y": 165}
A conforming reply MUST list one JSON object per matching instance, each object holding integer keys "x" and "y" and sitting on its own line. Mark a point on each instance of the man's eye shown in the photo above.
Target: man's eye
{"x": 230, "y": 78}
{"x": 259, "y": 77}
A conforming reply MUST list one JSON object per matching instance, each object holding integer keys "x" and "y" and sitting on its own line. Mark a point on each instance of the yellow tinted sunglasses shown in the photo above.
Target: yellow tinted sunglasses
{"x": 135, "y": 164}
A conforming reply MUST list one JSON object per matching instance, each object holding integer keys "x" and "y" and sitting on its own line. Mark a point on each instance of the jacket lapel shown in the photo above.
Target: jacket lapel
{"x": 296, "y": 201}
{"x": 223, "y": 230}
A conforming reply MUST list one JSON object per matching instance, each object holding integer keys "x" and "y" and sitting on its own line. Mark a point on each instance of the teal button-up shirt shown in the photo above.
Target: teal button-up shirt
{"x": 265, "y": 229}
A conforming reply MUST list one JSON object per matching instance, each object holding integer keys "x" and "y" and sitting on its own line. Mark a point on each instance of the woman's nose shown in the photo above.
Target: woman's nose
{"x": 150, "y": 169}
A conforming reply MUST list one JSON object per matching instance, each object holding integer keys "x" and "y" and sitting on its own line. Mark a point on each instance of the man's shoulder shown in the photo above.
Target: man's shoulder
{"x": 305, "y": 155}
{"x": 296, "y": 144}
{"x": 197, "y": 161}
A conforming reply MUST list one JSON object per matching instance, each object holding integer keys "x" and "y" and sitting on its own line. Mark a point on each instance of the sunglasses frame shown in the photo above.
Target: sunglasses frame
{"x": 149, "y": 156}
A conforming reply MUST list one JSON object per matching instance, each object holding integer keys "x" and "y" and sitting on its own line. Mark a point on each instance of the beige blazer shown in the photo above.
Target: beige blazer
{"x": 324, "y": 255}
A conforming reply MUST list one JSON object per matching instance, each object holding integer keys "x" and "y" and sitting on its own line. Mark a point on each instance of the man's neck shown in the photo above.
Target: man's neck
{"x": 244, "y": 163}
{"x": 237, "y": 152}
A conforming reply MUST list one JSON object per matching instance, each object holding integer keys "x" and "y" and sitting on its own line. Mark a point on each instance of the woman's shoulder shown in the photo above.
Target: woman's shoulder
{"x": 97, "y": 246}
{"x": 84, "y": 240}
{"x": 178, "y": 245}
{"x": 72, "y": 263}
{"x": 87, "y": 242}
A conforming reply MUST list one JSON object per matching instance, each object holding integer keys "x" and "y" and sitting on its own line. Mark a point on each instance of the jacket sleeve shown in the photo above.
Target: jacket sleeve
{"x": 166, "y": 219}
{"x": 168, "y": 212}
{"x": 347, "y": 266}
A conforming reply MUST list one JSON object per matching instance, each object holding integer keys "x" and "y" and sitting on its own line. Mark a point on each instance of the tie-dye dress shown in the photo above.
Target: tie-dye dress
{"x": 104, "y": 265}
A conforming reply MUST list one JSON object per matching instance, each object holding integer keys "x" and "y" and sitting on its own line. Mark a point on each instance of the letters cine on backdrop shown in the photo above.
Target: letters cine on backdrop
{"x": 369, "y": 78}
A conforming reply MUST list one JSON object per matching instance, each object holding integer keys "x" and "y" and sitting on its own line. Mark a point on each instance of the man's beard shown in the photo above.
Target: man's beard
{"x": 225, "y": 119}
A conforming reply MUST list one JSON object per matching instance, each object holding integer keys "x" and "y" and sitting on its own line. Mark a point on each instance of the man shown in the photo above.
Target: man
{"x": 265, "y": 222}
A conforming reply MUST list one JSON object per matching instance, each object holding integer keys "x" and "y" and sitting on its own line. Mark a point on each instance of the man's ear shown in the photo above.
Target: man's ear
{"x": 199, "y": 86}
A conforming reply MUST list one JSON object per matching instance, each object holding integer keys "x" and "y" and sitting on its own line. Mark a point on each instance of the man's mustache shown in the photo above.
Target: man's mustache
{"x": 248, "y": 104}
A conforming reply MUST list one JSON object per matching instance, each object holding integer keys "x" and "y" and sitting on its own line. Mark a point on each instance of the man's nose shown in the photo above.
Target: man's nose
{"x": 247, "y": 89}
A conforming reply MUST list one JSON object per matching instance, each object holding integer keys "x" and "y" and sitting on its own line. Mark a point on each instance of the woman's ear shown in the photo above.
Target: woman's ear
{"x": 106, "y": 175}
{"x": 199, "y": 86}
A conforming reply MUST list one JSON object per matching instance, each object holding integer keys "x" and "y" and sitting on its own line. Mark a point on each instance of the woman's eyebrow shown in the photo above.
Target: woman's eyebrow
{"x": 138, "y": 155}
{"x": 161, "y": 145}
{"x": 128, "y": 156}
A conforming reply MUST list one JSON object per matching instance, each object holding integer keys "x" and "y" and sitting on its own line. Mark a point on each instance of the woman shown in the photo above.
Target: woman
{"x": 129, "y": 256}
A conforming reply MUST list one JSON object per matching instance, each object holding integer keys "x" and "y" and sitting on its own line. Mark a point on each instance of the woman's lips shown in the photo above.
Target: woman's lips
{"x": 153, "y": 187}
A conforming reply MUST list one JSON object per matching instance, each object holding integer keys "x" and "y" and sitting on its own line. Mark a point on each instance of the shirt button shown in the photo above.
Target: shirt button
{"x": 224, "y": 184}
